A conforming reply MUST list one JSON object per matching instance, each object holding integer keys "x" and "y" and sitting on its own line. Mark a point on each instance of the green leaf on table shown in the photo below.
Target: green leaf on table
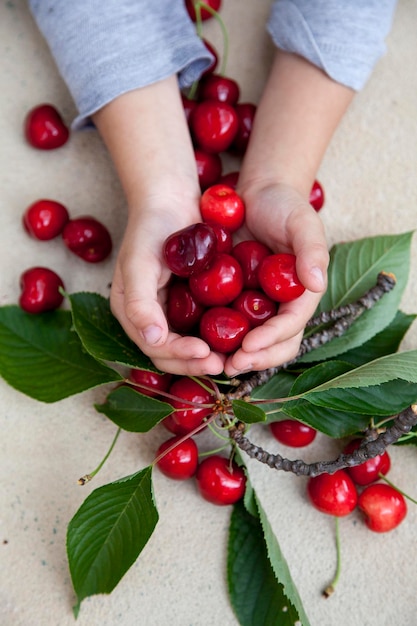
{"x": 353, "y": 270}
{"x": 248, "y": 413}
{"x": 101, "y": 334}
{"x": 260, "y": 586}
{"x": 42, "y": 356}
{"x": 132, "y": 410}
{"x": 386, "y": 342}
{"x": 108, "y": 533}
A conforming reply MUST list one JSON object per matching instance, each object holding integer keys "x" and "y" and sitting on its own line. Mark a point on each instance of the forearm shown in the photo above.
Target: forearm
{"x": 147, "y": 136}
{"x": 298, "y": 113}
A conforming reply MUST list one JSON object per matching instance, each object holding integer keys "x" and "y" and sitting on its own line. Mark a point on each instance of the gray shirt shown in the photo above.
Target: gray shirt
{"x": 106, "y": 48}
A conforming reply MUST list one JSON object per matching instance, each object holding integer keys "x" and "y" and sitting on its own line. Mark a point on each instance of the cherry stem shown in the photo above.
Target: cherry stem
{"x": 215, "y": 14}
{"x": 330, "y": 589}
{"x": 389, "y": 482}
{"x": 213, "y": 451}
{"x": 196, "y": 430}
{"x": 87, "y": 477}
{"x": 170, "y": 396}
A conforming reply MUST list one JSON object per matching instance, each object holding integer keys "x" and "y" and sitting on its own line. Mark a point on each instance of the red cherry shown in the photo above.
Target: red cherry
{"x": 224, "y": 238}
{"x": 209, "y": 167}
{"x": 255, "y": 306}
{"x": 44, "y": 128}
{"x": 181, "y": 462}
{"x": 220, "y": 283}
{"x": 87, "y": 238}
{"x": 212, "y": 51}
{"x": 45, "y": 219}
{"x": 250, "y": 253}
{"x": 183, "y": 310}
{"x": 157, "y": 381}
{"x": 293, "y": 433}
{"x": 205, "y": 15}
{"x": 190, "y": 250}
{"x": 220, "y": 481}
{"x": 221, "y": 204}
{"x": 383, "y": 506}
{"x": 214, "y": 125}
{"x": 334, "y": 494}
{"x": 223, "y": 328}
{"x": 369, "y": 471}
{"x": 221, "y": 88}
{"x": 246, "y": 115}
{"x": 40, "y": 290}
{"x": 278, "y": 277}
{"x": 189, "y": 106}
{"x": 229, "y": 179}
{"x": 186, "y": 416}
{"x": 316, "y": 196}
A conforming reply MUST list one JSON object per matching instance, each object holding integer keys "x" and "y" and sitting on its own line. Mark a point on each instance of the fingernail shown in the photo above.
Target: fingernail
{"x": 318, "y": 274}
{"x": 247, "y": 369}
{"x": 152, "y": 334}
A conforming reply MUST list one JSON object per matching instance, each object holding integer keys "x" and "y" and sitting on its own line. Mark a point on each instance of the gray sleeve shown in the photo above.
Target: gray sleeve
{"x": 345, "y": 38}
{"x": 106, "y": 48}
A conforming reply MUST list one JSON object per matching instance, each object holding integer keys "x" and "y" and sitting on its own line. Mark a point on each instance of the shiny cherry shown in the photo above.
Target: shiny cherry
{"x": 223, "y": 328}
{"x": 293, "y": 433}
{"x": 368, "y": 472}
{"x": 214, "y": 125}
{"x": 278, "y": 277}
{"x": 44, "y": 128}
{"x": 224, "y": 238}
{"x": 246, "y": 116}
{"x": 316, "y": 196}
{"x": 383, "y": 506}
{"x": 255, "y": 306}
{"x": 334, "y": 494}
{"x": 186, "y": 417}
{"x": 88, "y": 238}
{"x": 181, "y": 462}
{"x": 45, "y": 219}
{"x": 221, "y": 204}
{"x": 209, "y": 168}
{"x": 190, "y": 250}
{"x": 40, "y": 290}
{"x": 183, "y": 310}
{"x": 220, "y": 283}
{"x": 220, "y": 481}
{"x": 156, "y": 381}
{"x": 250, "y": 253}
{"x": 217, "y": 87}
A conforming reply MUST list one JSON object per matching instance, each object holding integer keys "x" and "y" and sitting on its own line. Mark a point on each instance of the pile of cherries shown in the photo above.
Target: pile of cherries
{"x": 46, "y": 219}
{"x": 219, "y": 290}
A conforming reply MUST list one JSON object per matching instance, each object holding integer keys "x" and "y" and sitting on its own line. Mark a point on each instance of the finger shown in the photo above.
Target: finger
{"x": 211, "y": 366}
{"x": 272, "y": 356}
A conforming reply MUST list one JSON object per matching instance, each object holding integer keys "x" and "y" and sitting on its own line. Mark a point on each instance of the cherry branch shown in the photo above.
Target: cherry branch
{"x": 368, "y": 449}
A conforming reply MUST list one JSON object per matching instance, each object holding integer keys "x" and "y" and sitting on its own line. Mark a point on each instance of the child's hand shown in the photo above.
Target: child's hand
{"x": 281, "y": 218}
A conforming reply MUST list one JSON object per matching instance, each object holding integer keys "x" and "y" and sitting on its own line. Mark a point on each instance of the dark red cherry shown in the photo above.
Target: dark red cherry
{"x": 221, "y": 88}
{"x": 278, "y": 277}
{"x": 316, "y": 196}
{"x": 155, "y": 381}
{"x": 183, "y": 310}
{"x": 246, "y": 115}
{"x": 229, "y": 179}
{"x": 189, "y": 250}
{"x": 220, "y": 283}
{"x": 88, "y": 238}
{"x": 40, "y": 290}
{"x": 209, "y": 168}
{"x": 250, "y": 253}
{"x": 45, "y": 219}
{"x": 44, "y": 128}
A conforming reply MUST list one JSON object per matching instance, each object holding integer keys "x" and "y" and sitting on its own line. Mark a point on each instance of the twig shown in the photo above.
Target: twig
{"x": 368, "y": 449}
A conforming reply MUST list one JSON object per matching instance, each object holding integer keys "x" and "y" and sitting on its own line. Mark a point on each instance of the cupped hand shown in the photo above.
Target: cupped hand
{"x": 139, "y": 290}
{"x": 280, "y": 217}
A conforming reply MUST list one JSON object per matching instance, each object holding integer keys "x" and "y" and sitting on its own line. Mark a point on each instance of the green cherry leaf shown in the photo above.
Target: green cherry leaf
{"x": 353, "y": 269}
{"x": 101, "y": 334}
{"x": 260, "y": 586}
{"x": 42, "y": 356}
{"x": 132, "y": 410}
{"x": 248, "y": 413}
{"x": 108, "y": 532}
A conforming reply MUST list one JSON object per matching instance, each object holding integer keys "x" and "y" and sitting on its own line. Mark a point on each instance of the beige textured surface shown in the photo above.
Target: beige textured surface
{"x": 369, "y": 175}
